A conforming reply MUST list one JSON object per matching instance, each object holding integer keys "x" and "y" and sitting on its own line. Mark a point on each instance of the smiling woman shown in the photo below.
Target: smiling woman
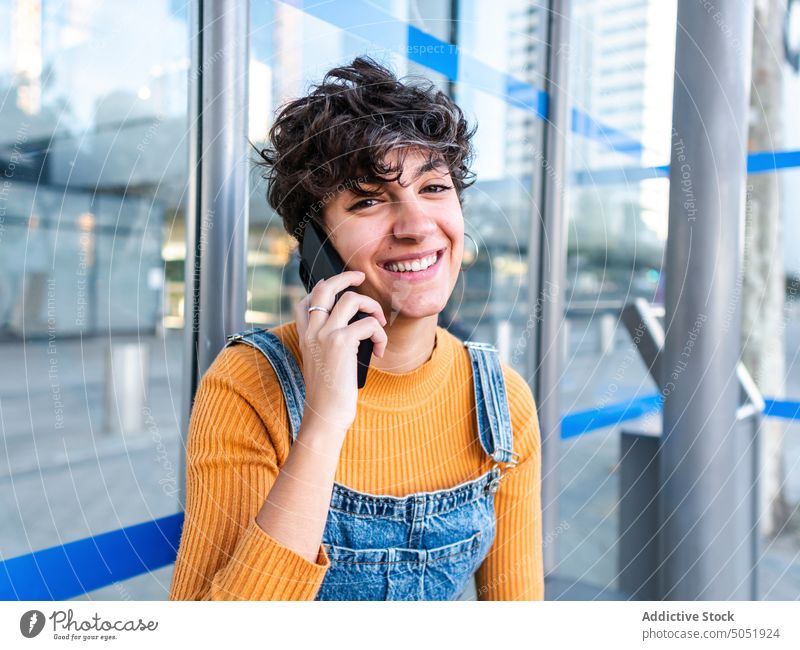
{"x": 302, "y": 486}
{"x": 408, "y": 241}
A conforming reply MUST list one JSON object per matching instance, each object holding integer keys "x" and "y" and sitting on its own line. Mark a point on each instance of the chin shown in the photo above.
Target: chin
{"x": 415, "y": 312}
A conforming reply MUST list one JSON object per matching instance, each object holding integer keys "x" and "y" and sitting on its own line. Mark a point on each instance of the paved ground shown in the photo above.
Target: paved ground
{"x": 63, "y": 483}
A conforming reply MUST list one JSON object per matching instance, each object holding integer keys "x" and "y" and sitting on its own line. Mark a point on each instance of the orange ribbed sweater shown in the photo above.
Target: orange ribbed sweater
{"x": 413, "y": 432}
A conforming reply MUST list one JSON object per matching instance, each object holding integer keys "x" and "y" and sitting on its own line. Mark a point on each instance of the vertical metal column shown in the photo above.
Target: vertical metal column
{"x": 706, "y": 457}
{"x": 547, "y": 251}
{"x": 217, "y": 217}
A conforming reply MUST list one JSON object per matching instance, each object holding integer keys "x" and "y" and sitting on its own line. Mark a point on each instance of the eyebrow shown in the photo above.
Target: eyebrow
{"x": 427, "y": 166}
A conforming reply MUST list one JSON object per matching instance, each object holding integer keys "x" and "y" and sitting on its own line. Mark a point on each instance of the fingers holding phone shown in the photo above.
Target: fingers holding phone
{"x": 346, "y": 307}
{"x": 329, "y": 344}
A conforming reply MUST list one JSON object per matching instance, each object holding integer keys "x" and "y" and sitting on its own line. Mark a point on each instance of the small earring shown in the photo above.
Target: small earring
{"x": 474, "y": 257}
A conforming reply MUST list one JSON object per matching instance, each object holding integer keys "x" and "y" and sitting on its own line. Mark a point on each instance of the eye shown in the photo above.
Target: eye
{"x": 362, "y": 205}
{"x": 439, "y": 188}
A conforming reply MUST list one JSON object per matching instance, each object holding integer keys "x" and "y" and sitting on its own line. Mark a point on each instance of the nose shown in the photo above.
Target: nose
{"x": 411, "y": 221}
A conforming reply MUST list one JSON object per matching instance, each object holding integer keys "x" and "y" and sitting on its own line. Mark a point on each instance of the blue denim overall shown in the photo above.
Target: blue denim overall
{"x": 423, "y": 546}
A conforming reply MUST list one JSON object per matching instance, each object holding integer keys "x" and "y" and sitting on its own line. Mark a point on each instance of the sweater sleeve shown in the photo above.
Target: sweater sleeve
{"x": 513, "y": 569}
{"x": 231, "y": 466}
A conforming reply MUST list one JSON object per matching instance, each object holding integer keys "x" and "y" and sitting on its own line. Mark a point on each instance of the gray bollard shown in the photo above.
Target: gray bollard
{"x": 503, "y": 337}
{"x": 606, "y": 333}
{"x": 638, "y": 513}
{"x": 127, "y": 373}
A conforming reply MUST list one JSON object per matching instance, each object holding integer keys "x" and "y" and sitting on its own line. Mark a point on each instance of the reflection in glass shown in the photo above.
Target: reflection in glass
{"x": 92, "y": 200}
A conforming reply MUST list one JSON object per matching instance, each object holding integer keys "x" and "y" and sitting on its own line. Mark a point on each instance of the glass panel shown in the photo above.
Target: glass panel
{"x": 92, "y": 202}
{"x": 621, "y": 65}
{"x": 622, "y": 78}
{"x": 771, "y": 285}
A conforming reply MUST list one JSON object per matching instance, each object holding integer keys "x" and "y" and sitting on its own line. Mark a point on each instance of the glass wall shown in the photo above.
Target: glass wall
{"x": 621, "y": 64}
{"x": 770, "y": 286}
{"x": 92, "y": 197}
{"x": 621, "y": 60}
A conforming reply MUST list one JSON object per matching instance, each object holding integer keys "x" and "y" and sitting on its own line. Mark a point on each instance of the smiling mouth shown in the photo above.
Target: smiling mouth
{"x": 406, "y": 269}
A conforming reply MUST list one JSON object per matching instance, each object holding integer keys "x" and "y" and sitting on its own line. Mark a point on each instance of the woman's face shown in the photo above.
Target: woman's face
{"x": 421, "y": 219}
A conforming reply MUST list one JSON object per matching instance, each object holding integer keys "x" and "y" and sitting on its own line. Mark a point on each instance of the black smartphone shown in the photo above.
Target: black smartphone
{"x": 320, "y": 261}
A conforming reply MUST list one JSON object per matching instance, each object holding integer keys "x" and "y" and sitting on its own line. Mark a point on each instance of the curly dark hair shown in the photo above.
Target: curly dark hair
{"x": 338, "y": 135}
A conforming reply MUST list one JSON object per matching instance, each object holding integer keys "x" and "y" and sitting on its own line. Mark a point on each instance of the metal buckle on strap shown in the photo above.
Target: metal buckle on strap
{"x": 510, "y": 463}
{"x": 498, "y": 473}
{"x": 493, "y": 485}
{"x": 514, "y": 460}
{"x": 480, "y": 346}
{"x": 242, "y": 335}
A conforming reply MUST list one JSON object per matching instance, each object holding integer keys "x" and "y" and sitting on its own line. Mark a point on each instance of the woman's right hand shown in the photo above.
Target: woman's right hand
{"x": 330, "y": 348}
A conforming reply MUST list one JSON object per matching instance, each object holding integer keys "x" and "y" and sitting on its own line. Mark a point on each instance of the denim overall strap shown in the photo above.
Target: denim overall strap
{"x": 491, "y": 402}
{"x": 286, "y": 368}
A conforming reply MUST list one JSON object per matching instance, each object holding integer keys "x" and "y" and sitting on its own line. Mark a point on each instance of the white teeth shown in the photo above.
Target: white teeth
{"x": 415, "y": 265}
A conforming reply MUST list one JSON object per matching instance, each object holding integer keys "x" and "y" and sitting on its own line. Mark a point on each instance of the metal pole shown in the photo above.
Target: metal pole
{"x": 706, "y": 457}
{"x": 546, "y": 274}
{"x": 217, "y": 218}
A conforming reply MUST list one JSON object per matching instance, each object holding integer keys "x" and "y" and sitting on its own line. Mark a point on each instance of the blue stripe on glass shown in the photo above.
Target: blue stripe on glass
{"x": 782, "y": 409}
{"x": 356, "y": 17}
{"x": 63, "y": 572}
{"x": 579, "y": 422}
{"x": 767, "y": 161}
{"x": 585, "y": 125}
{"x": 524, "y": 96}
{"x": 433, "y": 53}
{"x": 759, "y": 162}
{"x": 446, "y": 59}
{"x": 367, "y": 21}
{"x": 621, "y": 176}
{"x": 381, "y": 28}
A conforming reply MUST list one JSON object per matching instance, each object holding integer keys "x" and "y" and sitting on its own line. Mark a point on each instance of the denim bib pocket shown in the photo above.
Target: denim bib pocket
{"x": 398, "y": 573}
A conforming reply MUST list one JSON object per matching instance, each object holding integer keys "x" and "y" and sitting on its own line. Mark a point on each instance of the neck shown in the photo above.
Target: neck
{"x": 410, "y": 344}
